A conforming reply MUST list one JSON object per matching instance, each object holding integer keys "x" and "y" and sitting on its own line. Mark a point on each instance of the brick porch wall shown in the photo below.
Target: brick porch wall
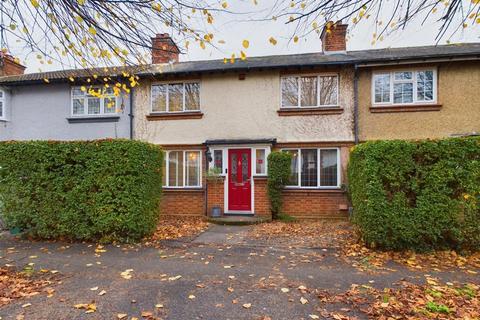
{"x": 216, "y": 190}
{"x": 262, "y": 203}
{"x": 183, "y": 202}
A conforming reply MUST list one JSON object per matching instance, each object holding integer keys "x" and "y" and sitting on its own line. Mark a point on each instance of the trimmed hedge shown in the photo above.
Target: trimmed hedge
{"x": 417, "y": 195}
{"x": 278, "y": 174}
{"x": 107, "y": 190}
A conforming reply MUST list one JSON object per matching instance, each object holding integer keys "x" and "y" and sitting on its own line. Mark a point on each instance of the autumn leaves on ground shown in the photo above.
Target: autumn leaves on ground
{"x": 300, "y": 270}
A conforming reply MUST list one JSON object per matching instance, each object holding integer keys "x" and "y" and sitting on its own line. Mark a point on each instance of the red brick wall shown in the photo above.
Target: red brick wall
{"x": 318, "y": 203}
{"x": 9, "y": 67}
{"x": 216, "y": 190}
{"x": 315, "y": 203}
{"x": 164, "y": 49}
{"x": 334, "y": 37}
{"x": 262, "y": 203}
{"x": 183, "y": 202}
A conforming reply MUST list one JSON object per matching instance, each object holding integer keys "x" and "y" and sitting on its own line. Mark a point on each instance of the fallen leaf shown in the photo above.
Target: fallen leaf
{"x": 247, "y": 305}
{"x": 303, "y": 300}
{"x": 146, "y": 314}
{"x": 122, "y": 315}
{"x": 285, "y": 290}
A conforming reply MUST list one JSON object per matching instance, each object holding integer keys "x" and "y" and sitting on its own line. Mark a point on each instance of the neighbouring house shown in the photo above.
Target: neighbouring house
{"x": 434, "y": 96}
{"x": 230, "y": 116}
{"x": 31, "y": 109}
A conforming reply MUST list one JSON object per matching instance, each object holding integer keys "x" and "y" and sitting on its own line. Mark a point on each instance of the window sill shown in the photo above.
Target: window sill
{"x": 313, "y": 190}
{"x": 93, "y": 119}
{"x": 174, "y": 116}
{"x": 173, "y": 190}
{"x": 3, "y": 120}
{"x": 406, "y": 108}
{"x": 285, "y": 112}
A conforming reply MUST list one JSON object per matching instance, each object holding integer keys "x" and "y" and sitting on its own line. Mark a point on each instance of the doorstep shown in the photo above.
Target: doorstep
{"x": 239, "y": 220}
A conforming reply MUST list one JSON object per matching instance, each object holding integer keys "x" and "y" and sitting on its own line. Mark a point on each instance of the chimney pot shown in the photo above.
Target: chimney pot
{"x": 333, "y": 37}
{"x": 164, "y": 49}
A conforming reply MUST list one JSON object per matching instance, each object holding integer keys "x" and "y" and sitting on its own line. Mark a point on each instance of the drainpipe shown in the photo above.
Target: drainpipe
{"x": 355, "y": 105}
{"x": 131, "y": 113}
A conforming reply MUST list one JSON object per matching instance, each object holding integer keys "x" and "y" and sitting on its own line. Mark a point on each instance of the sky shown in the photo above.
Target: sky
{"x": 234, "y": 28}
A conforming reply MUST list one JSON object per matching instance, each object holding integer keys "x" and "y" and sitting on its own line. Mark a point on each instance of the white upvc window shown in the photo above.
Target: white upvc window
{"x": 86, "y": 104}
{"x": 175, "y": 97}
{"x": 260, "y": 161}
{"x": 182, "y": 169}
{"x": 403, "y": 87}
{"x": 3, "y": 105}
{"x": 310, "y": 91}
{"x": 218, "y": 162}
{"x": 315, "y": 168}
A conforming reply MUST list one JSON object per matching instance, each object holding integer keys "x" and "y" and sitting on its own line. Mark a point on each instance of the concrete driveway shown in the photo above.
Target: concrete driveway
{"x": 219, "y": 275}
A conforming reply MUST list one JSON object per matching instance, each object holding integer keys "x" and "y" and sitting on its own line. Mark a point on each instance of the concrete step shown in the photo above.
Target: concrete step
{"x": 238, "y": 220}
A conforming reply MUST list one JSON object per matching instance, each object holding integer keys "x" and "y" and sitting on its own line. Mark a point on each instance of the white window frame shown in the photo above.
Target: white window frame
{"x": 184, "y": 170}
{"x": 299, "y": 93}
{"x": 253, "y": 151}
{"x": 3, "y": 99}
{"x": 254, "y": 162}
{"x": 299, "y": 167}
{"x": 85, "y": 103}
{"x": 414, "y": 80}
{"x": 167, "y": 96}
{"x": 224, "y": 155}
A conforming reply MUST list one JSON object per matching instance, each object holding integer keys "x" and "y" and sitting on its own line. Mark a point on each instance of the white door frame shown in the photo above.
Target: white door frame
{"x": 225, "y": 160}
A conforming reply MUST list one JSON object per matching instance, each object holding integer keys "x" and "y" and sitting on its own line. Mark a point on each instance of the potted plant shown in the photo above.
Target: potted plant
{"x": 215, "y": 178}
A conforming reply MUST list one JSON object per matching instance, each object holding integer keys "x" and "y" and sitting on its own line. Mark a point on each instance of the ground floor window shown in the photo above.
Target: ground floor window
{"x": 182, "y": 169}
{"x": 314, "y": 168}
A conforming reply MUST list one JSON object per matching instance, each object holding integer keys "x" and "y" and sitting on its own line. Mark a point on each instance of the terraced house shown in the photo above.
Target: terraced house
{"x": 208, "y": 114}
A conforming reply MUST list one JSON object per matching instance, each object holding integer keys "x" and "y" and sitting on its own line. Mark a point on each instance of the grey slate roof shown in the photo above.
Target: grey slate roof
{"x": 380, "y": 56}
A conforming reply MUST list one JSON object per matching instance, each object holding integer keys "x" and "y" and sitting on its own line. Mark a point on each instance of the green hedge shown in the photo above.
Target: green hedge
{"x": 107, "y": 190}
{"x": 278, "y": 175}
{"x": 417, "y": 195}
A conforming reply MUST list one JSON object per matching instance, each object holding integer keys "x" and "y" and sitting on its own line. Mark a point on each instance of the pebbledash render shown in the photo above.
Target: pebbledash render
{"x": 231, "y": 121}
{"x": 230, "y": 116}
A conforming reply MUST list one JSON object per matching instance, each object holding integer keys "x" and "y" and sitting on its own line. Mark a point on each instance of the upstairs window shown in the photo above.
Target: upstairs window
{"x": 176, "y": 97}
{"x": 404, "y": 87}
{"x": 97, "y": 102}
{"x": 3, "y": 111}
{"x": 309, "y": 91}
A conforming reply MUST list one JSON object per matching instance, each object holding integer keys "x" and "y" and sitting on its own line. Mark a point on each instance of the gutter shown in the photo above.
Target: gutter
{"x": 131, "y": 113}
{"x": 355, "y": 105}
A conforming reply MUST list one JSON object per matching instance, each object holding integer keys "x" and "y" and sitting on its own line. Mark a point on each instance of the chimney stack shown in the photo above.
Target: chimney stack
{"x": 333, "y": 37}
{"x": 164, "y": 49}
{"x": 8, "y": 65}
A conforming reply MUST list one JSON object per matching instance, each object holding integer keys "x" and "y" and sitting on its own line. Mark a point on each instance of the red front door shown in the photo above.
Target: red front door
{"x": 239, "y": 177}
